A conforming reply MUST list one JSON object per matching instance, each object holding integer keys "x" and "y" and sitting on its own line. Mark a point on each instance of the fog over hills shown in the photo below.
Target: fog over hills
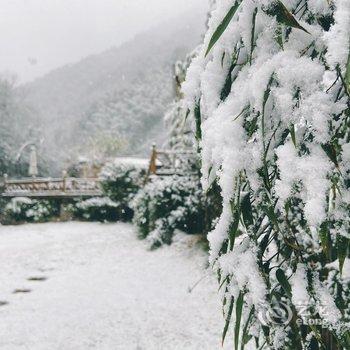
{"x": 120, "y": 94}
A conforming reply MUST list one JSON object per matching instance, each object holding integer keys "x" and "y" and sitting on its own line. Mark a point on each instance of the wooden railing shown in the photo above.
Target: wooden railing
{"x": 170, "y": 162}
{"x": 51, "y": 187}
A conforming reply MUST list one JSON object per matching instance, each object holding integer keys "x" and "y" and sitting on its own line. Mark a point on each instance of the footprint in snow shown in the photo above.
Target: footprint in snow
{"x": 31, "y": 279}
{"x": 37, "y": 278}
{"x": 3, "y": 303}
{"x": 21, "y": 290}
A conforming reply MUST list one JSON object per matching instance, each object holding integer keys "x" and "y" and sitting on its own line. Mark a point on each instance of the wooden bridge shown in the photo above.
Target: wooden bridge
{"x": 162, "y": 163}
{"x": 64, "y": 187}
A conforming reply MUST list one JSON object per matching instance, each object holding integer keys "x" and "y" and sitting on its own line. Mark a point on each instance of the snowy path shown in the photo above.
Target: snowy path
{"x": 103, "y": 290}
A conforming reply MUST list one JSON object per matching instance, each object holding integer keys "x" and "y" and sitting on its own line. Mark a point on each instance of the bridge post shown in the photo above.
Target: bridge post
{"x": 152, "y": 168}
{"x": 64, "y": 180}
{"x": 153, "y": 162}
{"x": 5, "y": 181}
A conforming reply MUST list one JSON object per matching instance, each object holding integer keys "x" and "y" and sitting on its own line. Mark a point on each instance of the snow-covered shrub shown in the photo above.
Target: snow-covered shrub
{"x": 96, "y": 209}
{"x": 120, "y": 182}
{"x": 23, "y": 209}
{"x": 166, "y": 204}
{"x": 270, "y": 94}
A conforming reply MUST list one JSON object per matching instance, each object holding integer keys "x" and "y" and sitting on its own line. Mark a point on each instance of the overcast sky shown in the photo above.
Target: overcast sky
{"x": 37, "y": 36}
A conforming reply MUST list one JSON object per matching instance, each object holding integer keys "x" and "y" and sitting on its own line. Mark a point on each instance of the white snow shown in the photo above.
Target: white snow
{"x": 300, "y": 294}
{"x": 242, "y": 264}
{"x": 136, "y": 162}
{"x": 326, "y": 305}
{"x": 338, "y": 37}
{"x": 103, "y": 290}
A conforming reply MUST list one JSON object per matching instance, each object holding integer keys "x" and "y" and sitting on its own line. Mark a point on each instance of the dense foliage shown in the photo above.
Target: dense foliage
{"x": 22, "y": 209}
{"x": 166, "y": 204}
{"x": 120, "y": 182}
{"x": 96, "y": 209}
{"x": 270, "y": 94}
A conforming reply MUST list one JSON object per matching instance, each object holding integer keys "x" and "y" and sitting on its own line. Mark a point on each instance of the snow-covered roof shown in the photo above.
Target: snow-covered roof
{"x": 137, "y": 162}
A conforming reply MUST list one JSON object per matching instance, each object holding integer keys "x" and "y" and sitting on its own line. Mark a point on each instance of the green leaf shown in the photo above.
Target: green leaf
{"x": 198, "y": 120}
{"x": 245, "y": 336}
{"x": 225, "y": 280}
{"x": 325, "y": 239}
{"x": 292, "y": 134}
{"x": 270, "y": 212}
{"x": 345, "y": 340}
{"x": 282, "y": 279}
{"x": 331, "y": 153}
{"x": 239, "y": 308}
{"x": 283, "y": 15}
{"x": 342, "y": 248}
{"x": 268, "y": 90}
{"x": 266, "y": 96}
{"x": 228, "y": 319}
{"x": 247, "y": 211}
{"x": 228, "y": 82}
{"x": 246, "y": 108}
{"x": 222, "y": 26}
{"x": 252, "y": 35}
{"x": 236, "y": 212}
{"x": 264, "y": 242}
{"x": 279, "y": 36}
{"x": 222, "y": 59}
{"x": 211, "y": 178}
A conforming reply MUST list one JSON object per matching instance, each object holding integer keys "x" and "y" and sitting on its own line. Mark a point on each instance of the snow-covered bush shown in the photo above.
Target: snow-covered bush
{"x": 166, "y": 204}
{"x": 120, "y": 182}
{"x": 270, "y": 94}
{"x": 96, "y": 209}
{"x": 23, "y": 209}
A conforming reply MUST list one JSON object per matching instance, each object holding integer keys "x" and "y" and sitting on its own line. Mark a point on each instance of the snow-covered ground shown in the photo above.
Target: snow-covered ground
{"x": 88, "y": 285}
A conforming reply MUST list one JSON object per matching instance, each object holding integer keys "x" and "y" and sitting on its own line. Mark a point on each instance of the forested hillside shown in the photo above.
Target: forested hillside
{"x": 106, "y": 99}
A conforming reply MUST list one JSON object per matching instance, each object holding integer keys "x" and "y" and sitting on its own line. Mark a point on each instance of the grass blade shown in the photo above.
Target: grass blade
{"x": 222, "y": 26}
{"x": 283, "y": 15}
{"x": 228, "y": 319}
{"x": 331, "y": 153}
{"x": 247, "y": 211}
{"x": 342, "y": 247}
{"x": 198, "y": 121}
{"x": 252, "y": 35}
{"x": 239, "y": 308}
{"x": 245, "y": 336}
{"x": 325, "y": 240}
{"x": 292, "y": 134}
{"x": 282, "y": 279}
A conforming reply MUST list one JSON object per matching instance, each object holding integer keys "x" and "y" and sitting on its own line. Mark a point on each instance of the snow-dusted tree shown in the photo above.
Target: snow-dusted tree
{"x": 16, "y": 128}
{"x": 270, "y": 93}
{"x": 180, "y": 133}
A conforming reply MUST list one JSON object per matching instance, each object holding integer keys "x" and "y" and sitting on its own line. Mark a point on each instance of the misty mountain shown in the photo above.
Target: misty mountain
{"x": 118, "y": 96}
